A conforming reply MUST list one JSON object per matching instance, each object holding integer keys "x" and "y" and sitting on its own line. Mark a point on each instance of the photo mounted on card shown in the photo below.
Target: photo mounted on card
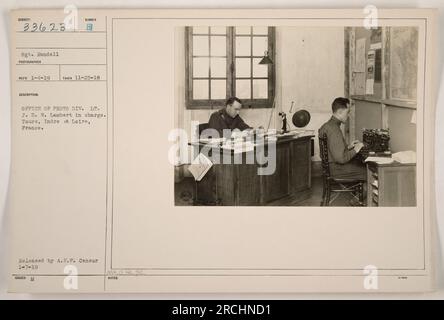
{"x": 222, "y": 150}
{"x": 260, "y": 132}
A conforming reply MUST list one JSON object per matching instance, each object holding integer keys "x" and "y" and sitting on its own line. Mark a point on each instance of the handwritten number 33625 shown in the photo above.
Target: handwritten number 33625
{"x": 41, "y": 27}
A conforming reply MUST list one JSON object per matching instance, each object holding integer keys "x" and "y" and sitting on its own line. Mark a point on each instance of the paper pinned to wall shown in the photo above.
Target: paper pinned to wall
{"x": 371, "y": 61}
{"x": 359, "y": 83}
{"x": 360, "y": 55}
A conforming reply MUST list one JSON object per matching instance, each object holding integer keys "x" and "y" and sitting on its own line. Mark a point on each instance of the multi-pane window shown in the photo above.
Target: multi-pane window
{"x": 209, "y": 63}
{"x": 224, "y": 62}
{"x": 251, "y": 78}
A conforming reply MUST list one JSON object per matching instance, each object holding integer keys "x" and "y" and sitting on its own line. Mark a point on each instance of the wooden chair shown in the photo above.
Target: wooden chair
{"x": 201, "y": 127}
{"x": 337, "y": 185}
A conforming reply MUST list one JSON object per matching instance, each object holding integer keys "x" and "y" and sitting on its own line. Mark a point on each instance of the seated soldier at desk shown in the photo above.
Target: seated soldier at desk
{"x": 343, "y": 163}
{"x": 228, "y": 118}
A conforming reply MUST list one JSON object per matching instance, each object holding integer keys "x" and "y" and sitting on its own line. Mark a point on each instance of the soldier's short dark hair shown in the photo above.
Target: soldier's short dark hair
{"x": 231, "y": 100}
{"x": 339, "y": 103}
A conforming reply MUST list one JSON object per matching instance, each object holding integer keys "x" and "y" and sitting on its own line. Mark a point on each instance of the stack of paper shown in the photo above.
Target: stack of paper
{"x": 379, "y": 160}
{"x": 240, "y": 147}
{"x": 212, "y": 140}
{"x": 405, "y": 156}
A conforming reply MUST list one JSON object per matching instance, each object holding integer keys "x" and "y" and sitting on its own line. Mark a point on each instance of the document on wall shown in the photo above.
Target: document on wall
{"x": 371, "y": 64}
{"x": 360, "y": 55}
{"x": 101, "y": 198}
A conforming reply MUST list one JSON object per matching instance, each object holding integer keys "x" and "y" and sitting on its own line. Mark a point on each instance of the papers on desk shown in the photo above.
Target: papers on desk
{"x": 379, "y": 160}
{"x": 212, "y": 140}
{"x": 235, "y": 134}
{"x": 200, "y": 166}
{"x": 239, "y": 146}
{"x": 297, "y": 133}
{"x": 401, "y": 157}
{"x": 405, "y": 156}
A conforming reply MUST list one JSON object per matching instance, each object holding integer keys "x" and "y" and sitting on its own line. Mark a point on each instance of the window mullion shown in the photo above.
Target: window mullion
{"x": 231, "y": 53}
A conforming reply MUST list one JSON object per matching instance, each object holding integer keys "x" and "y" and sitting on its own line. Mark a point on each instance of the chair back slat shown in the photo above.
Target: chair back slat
{"x": 323, "y": 150}
{"x": 202, "y": 127}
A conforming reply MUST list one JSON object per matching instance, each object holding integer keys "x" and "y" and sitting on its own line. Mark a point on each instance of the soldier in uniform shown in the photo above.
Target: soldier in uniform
{"x": 343, "y": 163}
{"x": 228, "y": 118}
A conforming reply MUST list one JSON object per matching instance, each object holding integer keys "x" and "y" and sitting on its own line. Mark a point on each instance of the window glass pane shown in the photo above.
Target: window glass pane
{"x": 219, "y": 46}
{"x": 218, "y": 89}
{"x": 243, "y": 30}
{"x": 260, "y": 45}
{"x": 243, "y": 67}
{"x": 201, "y": 67}
{"x": 200, "y": 46}
{"x": 200, "y": 89}
{"x": 218, "y": 30}
{"x": 259, "y": 70}
{"x": 260, "y": 89}
{"x": 219, "y": 67}
{"x": 243, "y": 89}
{"x": 200, "y": 30}
{"x": 209, "y": 55}
{"x": 260, "y": 30}
{"x": 243, "y": 46}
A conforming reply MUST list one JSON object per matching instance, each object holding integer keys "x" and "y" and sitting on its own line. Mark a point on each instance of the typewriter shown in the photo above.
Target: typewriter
{"x": 376, "y": 143}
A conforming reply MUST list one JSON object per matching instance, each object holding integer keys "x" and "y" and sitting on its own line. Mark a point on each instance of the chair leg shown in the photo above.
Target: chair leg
{"x": 361, "y": 193}
{"x": 324, "y": 188}
{"x": 358, "y": 192}
{"x": 327, "y": 196}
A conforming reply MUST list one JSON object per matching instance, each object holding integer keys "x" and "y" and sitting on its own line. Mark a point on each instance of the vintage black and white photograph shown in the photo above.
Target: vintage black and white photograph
{"x": 296, "y": 116}
{"x": 234, "y": 151}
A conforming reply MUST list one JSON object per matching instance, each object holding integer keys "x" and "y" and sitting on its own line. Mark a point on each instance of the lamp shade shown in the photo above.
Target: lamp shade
{"x": 266, "y": 59}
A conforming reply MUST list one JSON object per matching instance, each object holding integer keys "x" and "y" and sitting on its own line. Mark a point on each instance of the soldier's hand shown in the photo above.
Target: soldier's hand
{"x": 358, "y": 146}
{"x": 352, "y": 145}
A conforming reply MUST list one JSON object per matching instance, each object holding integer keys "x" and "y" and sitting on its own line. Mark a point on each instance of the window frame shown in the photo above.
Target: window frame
{"x": 230, "y": 73}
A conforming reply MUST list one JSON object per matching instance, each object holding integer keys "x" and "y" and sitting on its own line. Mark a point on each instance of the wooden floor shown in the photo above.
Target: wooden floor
{"x": 184, "y": 193}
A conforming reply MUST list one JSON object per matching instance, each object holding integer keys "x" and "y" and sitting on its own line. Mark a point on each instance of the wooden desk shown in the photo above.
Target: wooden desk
{"x": 391, "y": 185}
{"x": 240, "y": 184}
